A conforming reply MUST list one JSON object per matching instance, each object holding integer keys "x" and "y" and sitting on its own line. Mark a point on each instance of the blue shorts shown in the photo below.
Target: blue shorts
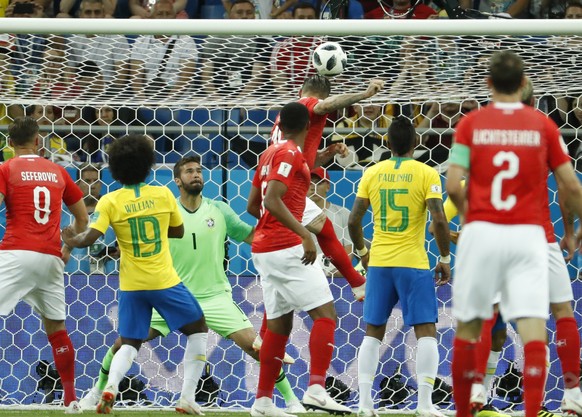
{"x": 176, "y": 305}
{"x": 414, "y": 288}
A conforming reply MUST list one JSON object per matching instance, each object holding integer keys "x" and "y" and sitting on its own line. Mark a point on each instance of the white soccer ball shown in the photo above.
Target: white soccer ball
{"x": 329, "y": 59}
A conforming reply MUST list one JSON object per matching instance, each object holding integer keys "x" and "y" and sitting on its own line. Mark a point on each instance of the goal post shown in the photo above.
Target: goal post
{"x": 217, "y": 93}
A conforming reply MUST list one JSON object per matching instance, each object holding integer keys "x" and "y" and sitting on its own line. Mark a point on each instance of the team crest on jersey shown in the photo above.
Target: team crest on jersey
{"x": 435, "y": 188}
{"x": 210, "y": 222}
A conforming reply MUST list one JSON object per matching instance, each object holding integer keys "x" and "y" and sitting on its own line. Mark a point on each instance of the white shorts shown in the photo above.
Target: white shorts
{"x": 36, "y": 278}
{"x": 510, "y": 260}
{"x": 289, "y": 285}
{"x": 311, "y": 212}
{"x": 559, "y": 278}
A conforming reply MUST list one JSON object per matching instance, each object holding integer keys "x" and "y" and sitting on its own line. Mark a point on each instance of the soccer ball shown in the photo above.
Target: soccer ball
{"x": 329, "y": 59}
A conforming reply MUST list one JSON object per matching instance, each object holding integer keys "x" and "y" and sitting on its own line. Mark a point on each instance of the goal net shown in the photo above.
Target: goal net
{"x": 201, "y": 90}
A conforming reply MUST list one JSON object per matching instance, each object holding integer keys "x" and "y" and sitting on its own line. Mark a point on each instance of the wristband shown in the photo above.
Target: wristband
{"x": 362, "y": 252}
{"x": 445, "y": 259}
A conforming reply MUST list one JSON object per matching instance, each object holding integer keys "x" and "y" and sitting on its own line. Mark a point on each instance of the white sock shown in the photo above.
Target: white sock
{"x": 120, "y": 364}
{"x": 194, "y": 361}
{"x": 492, "y": 362}
{"x": 368, "y": 358}
{"x": 427, "y": 364}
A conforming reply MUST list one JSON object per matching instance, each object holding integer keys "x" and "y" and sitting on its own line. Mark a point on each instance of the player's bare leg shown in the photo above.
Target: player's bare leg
{"x": 64, "y": 356}
{"x": 321, "y": 345}
{"x": 533, "y": 335}
{"x": 568, "y": 349}
{"x": 323, "y": 229}
{"x": 245, "y": 340}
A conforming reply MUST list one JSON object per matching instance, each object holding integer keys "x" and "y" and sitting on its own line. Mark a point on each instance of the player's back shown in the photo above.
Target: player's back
{"x": 314, "y": 135}
{"x": 283, "y": 162}
{"x": 397, "y": 190}
{"x": 511, "y": 148}
{"x": 34, "y": 190}
{"x": 140, "y": 216}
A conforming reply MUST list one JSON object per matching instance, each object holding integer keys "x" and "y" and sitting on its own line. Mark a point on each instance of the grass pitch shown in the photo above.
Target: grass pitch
{"x": 148, "y": 413}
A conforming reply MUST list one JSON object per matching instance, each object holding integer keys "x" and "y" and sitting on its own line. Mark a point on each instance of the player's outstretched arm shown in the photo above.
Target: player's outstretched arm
{"x": 80, "y": 240}
{"x": 80, "y": 215}
{"x": 441, "y": 234}
{"x": 342, "y": 101}
{"x": 355, "y": 229}
{"x": 274, "y": 203}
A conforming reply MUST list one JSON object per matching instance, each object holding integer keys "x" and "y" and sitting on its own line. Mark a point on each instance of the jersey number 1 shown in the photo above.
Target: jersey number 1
{"x": 510, "y": 172}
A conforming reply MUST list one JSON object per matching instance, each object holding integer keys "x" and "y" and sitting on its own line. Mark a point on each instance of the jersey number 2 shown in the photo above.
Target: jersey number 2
{"x": 510, "y": 172}
{"x": 139, "y": 234}
{"x": 41, "y": 208}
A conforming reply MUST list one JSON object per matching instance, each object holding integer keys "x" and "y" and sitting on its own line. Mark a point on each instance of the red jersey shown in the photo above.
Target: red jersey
{"x": 421, "y": 11}
{"x": 283, "y": 162}
{"x": 34, "y": 189}
{"x": 511, "y": 148}
{"x": 313, "y": 139}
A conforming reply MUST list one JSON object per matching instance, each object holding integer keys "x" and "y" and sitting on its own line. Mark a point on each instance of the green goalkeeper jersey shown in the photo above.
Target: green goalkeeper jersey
{"x": 199, "y": 255}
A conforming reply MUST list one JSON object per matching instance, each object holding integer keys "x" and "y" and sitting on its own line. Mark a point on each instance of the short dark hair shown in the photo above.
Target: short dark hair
{"x": 89, "y": 167}
{"x": 573, "y": 3}
{"x": 235, "y": 2}
{"x": 183, "y": 161}
{"x": 317, "y": 84}
{"x": 401, "y": 135}
{"x": 506, "y": 72}
{"x": 23, "y": 131}
{"x": 294, "y": 117}
{"x": 305, "y": 5}
{"x": 131, "y": 158}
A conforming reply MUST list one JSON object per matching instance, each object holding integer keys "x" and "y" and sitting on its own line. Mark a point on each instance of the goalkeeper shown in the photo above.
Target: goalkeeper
{"x": 198, "y": 259}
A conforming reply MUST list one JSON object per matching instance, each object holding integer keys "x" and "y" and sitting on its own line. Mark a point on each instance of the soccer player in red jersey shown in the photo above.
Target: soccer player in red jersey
{"x": 284, "y": 254}
{"x": 33, "y": 190}
{"x": 505, "y": 149}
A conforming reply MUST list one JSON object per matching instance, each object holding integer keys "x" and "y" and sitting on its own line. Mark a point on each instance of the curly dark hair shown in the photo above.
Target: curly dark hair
{"x": 131, "y": 158}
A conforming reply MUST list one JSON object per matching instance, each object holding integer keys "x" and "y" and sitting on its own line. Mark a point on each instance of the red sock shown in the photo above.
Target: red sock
{"x": 321, "y": 345}
{"x": 482, "y": 349}
{"x": 333, "y": 249}
{"x": 263, "y": 329}
{"x": 271, "y": 357}
{"x": 463, "y": 369}
{"x": 64, "y": 356}
{"x": 534, "y": 376}
{"x": 568, "y": 347}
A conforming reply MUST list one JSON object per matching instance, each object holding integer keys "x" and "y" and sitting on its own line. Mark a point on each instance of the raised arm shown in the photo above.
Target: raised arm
{"x": 341, "y": 101}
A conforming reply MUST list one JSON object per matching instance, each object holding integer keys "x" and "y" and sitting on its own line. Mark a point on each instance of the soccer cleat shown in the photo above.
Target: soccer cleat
{"x": 366, "y": 412}
{"x": 73, "y": 408}
{"x": 264, "y": 407}
{"x": 489, "y": 411}
{"x": 258, "y": 342}
{"x": 295, "y": 407}
{"x": 571, "y": 406}
{"x": 359, "y": 292}
{"x": 316, "y": 398}
{"x": 105, "y": 404}
{"x": 432, "y": 412}
{"x": 188, "y": 407}
{"x": 90, "y": 401}
{"x": 544, "y": 412}
{"x": 478, "y": 398}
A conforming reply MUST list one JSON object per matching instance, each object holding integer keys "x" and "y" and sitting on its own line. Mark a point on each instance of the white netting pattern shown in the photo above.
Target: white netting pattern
{"x": 218, "y": 97}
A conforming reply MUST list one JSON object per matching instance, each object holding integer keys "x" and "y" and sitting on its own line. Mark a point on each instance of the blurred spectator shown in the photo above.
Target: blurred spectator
{"x": 441, "y": 116}
{"x": 100, "y": 257}
{"x": 55, "y": 78}
{"x": 264, "y": 9}
{"x": 109, "y": 52}
{"x": 291, "y": 57}
{"x": 368, "y": 147}
{"x": 70, "y": 8}
{"x": 569, "y": 111}
{"x": 573, "y": 10}
{"x": 3, "y": 5}
{"x": 236, "y": 64}
{"x": 163, "y": 64}
{"x": 96, "y": 145}
{"x": 338, "y": 215}
{"x": 7, "y": 112}
{"x": 141, "y": 9}
{"x": 513, "y": 8}
{"x": 399, "y": 9}
{"x": 556, "y": 9}
{"x": 54, "y": 147}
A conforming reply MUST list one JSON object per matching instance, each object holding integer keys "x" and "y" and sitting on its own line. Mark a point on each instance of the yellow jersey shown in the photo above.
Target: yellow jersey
{"x": 140, "y": 216}
{"x": 397, "y": 190}
{"x": 450, "y": 209}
